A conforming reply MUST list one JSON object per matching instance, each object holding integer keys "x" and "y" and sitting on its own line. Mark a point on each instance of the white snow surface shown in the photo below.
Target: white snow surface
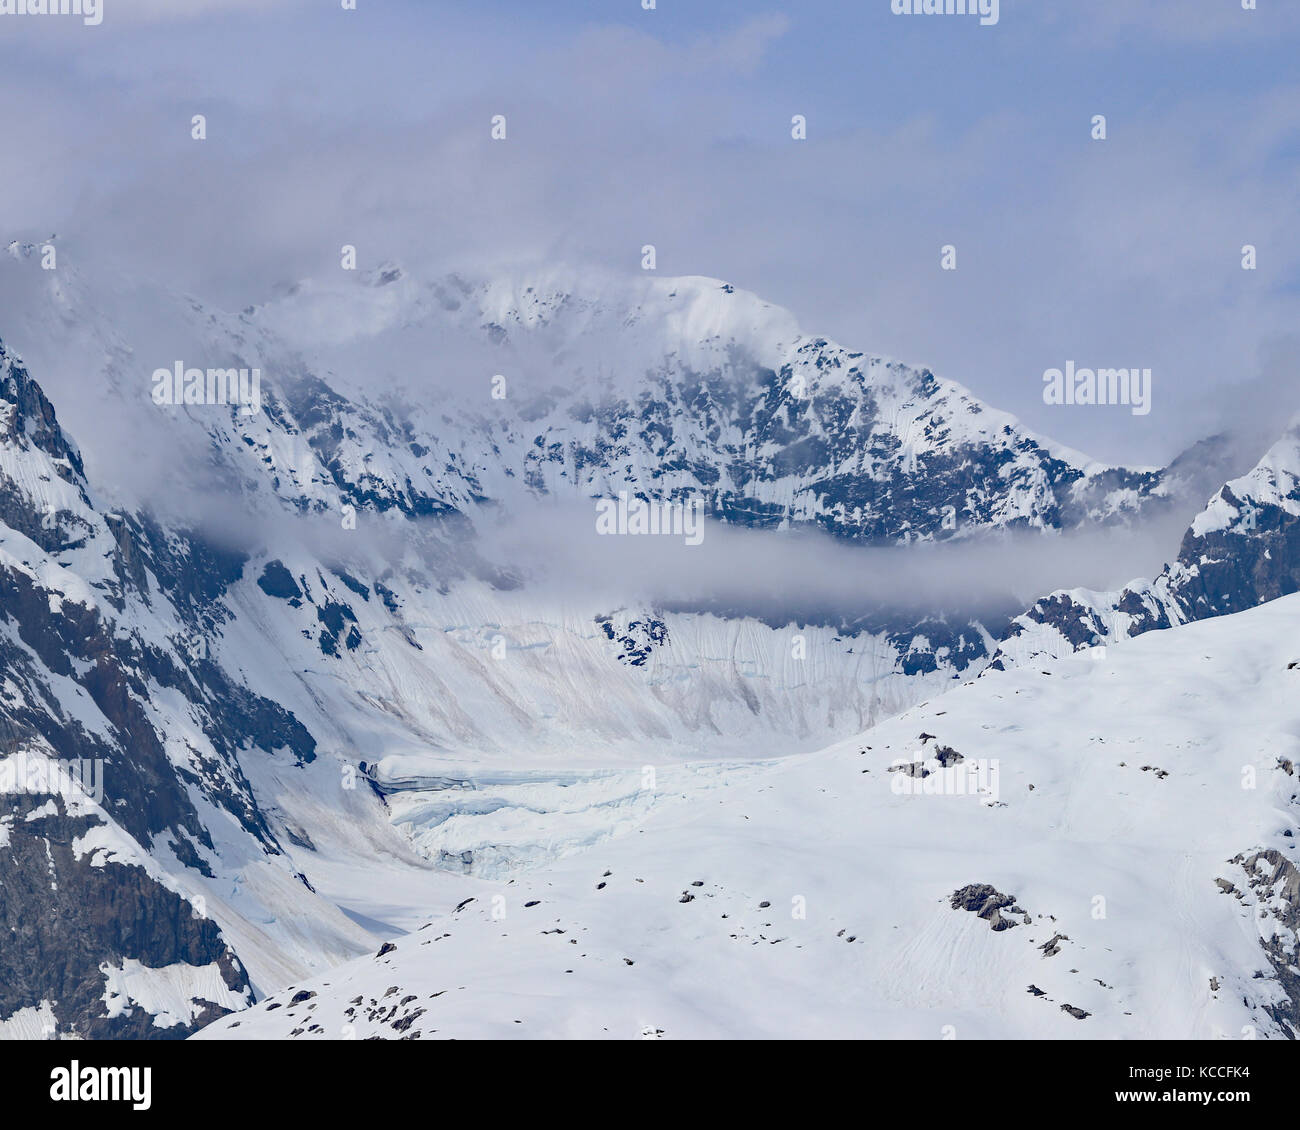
{"x": 823, "y": 899}
{"x": 173, "y": 994}
{"x": 37, "y": 1023}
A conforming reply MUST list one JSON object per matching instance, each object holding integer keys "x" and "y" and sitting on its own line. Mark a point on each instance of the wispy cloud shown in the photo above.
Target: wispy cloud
{"x": 333, "y": 129}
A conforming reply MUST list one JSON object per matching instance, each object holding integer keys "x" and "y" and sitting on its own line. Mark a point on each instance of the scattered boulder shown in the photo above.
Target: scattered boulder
{"x": 1052, "y": 947}
{"x": 988, "y": 903}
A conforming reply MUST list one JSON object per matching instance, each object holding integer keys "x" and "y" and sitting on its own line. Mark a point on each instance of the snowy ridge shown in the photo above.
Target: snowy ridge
{"x": 1241, "y": 550}
{"x": 1273, "y": 483}
{"x": 670, "y": 387}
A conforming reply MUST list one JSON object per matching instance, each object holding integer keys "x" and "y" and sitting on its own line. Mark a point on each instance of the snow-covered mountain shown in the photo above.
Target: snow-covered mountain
{"x": 1105, "y": 849}
{"x": 307, "y": 649}
{"x": 112, "y": 891}
{"x": 1241, "y": 551}
{"x": 381, "y": 394}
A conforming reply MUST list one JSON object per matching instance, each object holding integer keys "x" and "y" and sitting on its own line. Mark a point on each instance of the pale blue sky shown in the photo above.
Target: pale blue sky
{"x": 672, "y": 127}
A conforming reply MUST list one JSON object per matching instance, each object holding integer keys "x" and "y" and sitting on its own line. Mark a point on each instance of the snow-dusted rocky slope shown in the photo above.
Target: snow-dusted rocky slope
{"x": 1123, "y": 865}
{"x": 681, "y": 389}
{"x": 165, "y": 845}
{"x": 667, "y": 387}
{"x": 1241, "y": 551}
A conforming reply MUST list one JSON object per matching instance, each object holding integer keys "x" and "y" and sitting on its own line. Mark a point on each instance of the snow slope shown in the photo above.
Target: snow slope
{"x": 1130, "y": 871}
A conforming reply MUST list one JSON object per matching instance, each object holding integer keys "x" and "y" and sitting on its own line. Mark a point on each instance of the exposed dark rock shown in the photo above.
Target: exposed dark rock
{"x": 277, "y": 581}
{"x": 988, "y": 903}
{"x": 1274, "y": 882}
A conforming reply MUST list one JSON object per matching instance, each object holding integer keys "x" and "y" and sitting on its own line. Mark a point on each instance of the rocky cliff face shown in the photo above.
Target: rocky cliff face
{"x": 97, "y": 612}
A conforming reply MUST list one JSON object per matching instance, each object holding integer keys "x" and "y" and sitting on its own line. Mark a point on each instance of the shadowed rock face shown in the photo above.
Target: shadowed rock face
{"x": 65, "y": 915}
{"x": 1256, "y": 559}
{"x": 69, "y": 912}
